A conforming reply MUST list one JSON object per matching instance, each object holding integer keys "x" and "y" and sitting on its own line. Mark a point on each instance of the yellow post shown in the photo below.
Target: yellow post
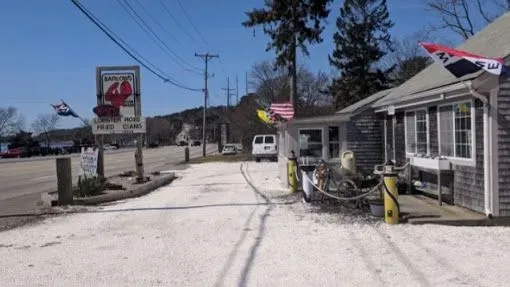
{"x": 291, "y": 168}
{"x": 391, "y": 207}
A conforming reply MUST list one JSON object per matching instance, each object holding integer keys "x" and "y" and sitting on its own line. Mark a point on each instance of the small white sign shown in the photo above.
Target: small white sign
{"x": 89, "y": 161}
{"x": 391, "y": 110}
{"x": 118, "y": 125}
{"x": 118, "y": 89}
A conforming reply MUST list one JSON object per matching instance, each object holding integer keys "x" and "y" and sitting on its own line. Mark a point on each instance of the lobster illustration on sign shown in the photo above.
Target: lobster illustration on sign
{"x": 118, "y": 92}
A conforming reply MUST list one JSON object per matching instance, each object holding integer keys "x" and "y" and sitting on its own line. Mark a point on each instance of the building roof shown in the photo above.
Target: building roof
{"x": 360, "y": 105}
{"x": 344, "y": 114}
{"x": 334, "y": 118}
{"x": 492, "y": 41}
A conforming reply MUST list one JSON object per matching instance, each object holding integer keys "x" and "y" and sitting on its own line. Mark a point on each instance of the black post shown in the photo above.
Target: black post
{"x": 64, "y": 181}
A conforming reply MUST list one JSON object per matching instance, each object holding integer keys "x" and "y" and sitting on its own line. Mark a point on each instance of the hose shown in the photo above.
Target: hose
{"x": 344, "y": 198}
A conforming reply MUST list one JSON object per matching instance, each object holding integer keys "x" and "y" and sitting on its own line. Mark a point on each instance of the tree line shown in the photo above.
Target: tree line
{"x": 366, "y": 57}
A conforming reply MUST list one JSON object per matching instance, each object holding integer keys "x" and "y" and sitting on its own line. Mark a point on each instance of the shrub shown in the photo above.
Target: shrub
{"x": 90, "y": 186}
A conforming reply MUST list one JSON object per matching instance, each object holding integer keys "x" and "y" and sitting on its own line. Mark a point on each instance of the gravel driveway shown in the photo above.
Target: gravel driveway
{"x": 212, "y": 228}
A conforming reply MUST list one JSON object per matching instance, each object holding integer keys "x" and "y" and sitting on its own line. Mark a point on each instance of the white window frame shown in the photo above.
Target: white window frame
{"x": 459, "y": 160}
{"x": 427, "y": 130}
{"x": 323, "y": 142}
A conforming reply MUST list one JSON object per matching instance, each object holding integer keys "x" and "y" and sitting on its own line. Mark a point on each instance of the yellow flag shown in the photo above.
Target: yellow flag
{"x": 263, "y": 116}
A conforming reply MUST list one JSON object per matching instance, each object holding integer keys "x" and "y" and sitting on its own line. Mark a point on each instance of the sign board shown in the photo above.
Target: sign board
{"x": 118, "y": 107}
{"x": 89, "y": 161}
{"x": 119, "y": 86}
{"x": 106, "y": 111}
{"x": 118, "y": 90}
{"x": 118, "y": 125}
{"x": 391, "y": 110}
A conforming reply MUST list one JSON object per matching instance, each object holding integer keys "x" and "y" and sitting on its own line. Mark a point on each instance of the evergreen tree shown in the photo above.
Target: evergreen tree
{"x": 361, "y": 42}
{"x": 290, "y": 24}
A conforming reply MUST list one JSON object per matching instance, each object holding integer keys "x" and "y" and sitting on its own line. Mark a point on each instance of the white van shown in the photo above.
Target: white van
{"x": 264, "y": 146}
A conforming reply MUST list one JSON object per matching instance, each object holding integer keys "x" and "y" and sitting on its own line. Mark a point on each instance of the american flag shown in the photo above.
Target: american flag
{"x": 284, "y": 110}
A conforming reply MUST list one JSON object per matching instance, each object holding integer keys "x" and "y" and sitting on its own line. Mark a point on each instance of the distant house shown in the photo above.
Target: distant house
{"x": 456, "y": 131}
{"x": 355, "y": 128}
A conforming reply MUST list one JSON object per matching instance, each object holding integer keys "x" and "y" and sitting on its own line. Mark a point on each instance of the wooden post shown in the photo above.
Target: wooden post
{"x": 100, "y": 156}
{"x": 64, "y": 181}
{"x": 139, "y": 159}
{"x": 186, "y": 154}
{"x": 439, "y": 191}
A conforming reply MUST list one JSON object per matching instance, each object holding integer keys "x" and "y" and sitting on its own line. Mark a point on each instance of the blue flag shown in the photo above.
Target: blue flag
{"x": 64, "y": 110}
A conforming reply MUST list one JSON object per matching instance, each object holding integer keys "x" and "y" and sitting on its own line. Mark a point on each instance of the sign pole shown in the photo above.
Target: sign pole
{"x": 138, "y": 112}
{"x": 100, "y": 138}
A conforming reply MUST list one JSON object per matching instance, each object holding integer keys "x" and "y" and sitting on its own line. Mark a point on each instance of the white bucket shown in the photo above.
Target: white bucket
{"x": 307, "y": 184}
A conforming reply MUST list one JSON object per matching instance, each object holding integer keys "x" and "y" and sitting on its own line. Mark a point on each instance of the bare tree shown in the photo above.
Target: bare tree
{"x": 464, "y": 16}
{"x": 272, "y": 85}
{"x": 44, "y": 124}
{"x": 10, "y": 120}
{"x": 313, "y": 89}
{"x": 270, "y": 82}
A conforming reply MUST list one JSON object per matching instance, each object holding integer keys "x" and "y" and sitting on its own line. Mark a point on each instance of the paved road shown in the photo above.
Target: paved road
{"x": 34, "y": 176}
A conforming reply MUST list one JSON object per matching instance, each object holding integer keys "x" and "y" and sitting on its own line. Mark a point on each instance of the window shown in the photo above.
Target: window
{"x": 446, "y": 130}
{"x": 310, "y": 142}
{"x": 334, "y": 142}
{"x": 269, "y": 139}
{"x": 456, "y": 138}
{"x": 421, "y": 131}
{"x": 416, "y": 132}
{"x": 463, "y": 130}
{"x": 410, "y": 133}
{"x": 259, "y": 140}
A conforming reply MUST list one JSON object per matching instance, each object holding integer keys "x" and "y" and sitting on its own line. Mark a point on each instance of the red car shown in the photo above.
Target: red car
{"x": 14, "y": 153}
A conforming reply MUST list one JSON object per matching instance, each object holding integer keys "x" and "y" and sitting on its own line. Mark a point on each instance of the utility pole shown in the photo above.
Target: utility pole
{"x": 206, "y": 58}
{"x": 237, "y": 89}
{"x": 228, "y": 89}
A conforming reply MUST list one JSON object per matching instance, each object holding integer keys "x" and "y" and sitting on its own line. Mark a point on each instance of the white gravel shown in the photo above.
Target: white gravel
{"x": 209, "y": 228}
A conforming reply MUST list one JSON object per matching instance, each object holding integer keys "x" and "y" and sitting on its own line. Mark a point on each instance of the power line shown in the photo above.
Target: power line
{"x": 149, "y": 31}
{"x": 177, "y": 21}
{"x": 109, "y": 33}
{"x": 101, "y": 25}
{"x": 199, "y": 34}
{"x": 192, "y": 24}
{"x": 156, "y": 21}
{"x": 228, "y": 90}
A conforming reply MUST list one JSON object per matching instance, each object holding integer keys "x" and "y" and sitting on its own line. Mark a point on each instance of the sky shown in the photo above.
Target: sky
{"x": 50, "y": 50}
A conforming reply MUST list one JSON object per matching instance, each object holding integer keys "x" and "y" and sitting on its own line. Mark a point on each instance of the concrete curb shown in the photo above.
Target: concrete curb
{"x": 104, "y": 198}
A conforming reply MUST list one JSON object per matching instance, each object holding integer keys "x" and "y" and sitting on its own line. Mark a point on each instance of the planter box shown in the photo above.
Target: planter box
{"x": 430, "y": 163}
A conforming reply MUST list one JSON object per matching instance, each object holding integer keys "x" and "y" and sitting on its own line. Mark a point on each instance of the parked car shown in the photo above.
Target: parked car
{"x": 182, "y": 143}
{"x": 264, "y": 146}
{"x": 109, "y": 147}
{"x": 153, "y": 145}
{"x": 229, "y": 149}
{"x": 15, "y": 153}
{"x": 196, "y": 143}
{"x": 239, "y": 147}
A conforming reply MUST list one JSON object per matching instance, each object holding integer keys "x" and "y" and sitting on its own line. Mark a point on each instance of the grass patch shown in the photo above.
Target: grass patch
{"x": 221, "y": 158}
